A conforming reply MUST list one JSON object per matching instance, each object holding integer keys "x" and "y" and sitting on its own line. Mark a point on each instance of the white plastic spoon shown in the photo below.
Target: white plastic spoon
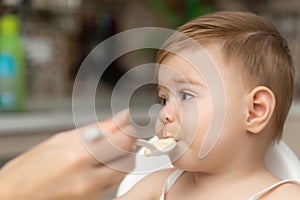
{"x": 158, "y": 147}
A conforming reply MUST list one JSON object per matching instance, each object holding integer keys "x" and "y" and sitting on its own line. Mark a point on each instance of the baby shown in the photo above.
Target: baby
{"x": 256, "y": 70}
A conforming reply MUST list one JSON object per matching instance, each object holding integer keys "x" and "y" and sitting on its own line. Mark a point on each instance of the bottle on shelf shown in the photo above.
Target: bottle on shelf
{"x": 12, "y": 66}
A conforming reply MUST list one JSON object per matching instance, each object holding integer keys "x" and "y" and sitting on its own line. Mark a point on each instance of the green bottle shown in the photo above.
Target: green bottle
{"x": 12, "y": 72}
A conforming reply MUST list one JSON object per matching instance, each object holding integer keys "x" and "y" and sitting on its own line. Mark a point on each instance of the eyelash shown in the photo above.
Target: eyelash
{"x": 163, "y": 101}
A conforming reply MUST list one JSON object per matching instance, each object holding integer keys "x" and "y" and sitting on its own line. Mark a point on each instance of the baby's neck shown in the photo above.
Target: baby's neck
{"x": 230, "y": 179}
{"x": 238, "y": 185}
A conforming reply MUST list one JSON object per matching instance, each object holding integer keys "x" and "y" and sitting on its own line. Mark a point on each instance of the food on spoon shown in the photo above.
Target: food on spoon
{"x": 161, "y": 144}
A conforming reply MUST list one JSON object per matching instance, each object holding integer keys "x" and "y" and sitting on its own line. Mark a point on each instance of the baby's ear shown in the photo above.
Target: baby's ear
{"x": 261, "y": 104}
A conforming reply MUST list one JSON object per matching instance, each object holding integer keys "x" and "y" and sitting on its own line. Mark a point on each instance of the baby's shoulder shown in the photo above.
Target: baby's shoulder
{"x": 149, "y": 187}
{"x": 287, "y": 190}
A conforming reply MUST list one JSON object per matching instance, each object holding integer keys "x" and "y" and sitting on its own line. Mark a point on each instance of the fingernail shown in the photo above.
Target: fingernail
{"x": 92, "y": 133}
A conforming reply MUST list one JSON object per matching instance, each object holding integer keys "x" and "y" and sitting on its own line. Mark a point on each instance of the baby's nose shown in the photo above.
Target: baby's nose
{"x": 167, "y": 115}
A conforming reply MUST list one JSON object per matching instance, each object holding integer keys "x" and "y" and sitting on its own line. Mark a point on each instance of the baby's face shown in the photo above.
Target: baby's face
{"x": 187, "y": 106}
{"x": 186, "y": 102}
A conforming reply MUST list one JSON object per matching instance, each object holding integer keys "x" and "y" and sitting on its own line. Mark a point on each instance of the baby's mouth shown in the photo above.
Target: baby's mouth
{"x": 168, "y": 135}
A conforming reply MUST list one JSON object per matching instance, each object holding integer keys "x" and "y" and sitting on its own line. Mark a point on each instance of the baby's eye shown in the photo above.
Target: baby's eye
{"x": 162, "y": 101}
{"x": 186, "y": 96}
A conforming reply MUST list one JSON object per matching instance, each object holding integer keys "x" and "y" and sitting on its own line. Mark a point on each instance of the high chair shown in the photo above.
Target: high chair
{"x": 279, "y": 159}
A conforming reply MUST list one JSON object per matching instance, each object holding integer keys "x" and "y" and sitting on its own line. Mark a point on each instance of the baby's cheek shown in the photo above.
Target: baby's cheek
{"x": 196, "y": 121}
{"x": 190, "y": 121}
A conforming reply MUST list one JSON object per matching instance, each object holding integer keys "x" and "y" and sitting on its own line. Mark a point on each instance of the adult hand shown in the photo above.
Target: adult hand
{"x": 61, "y": 167}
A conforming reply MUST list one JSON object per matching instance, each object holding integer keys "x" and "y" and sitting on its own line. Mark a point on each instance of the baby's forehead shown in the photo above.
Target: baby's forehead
{"x": 210, "y": 55}
{"x": 194, "y": 65}
{"x": 174, "y": 72}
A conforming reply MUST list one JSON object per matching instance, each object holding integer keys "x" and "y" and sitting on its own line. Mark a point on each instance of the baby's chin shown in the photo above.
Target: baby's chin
{"x": 179, "y": 151}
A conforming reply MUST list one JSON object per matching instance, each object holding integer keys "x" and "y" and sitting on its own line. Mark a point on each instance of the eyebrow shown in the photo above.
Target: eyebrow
{"x": 182, "y": 81}
{"x": 158, "y": 87}
{"x": 189, "y": 81}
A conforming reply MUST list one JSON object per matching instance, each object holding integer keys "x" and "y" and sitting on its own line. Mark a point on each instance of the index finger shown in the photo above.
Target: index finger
{"x": 108, "y": 147}
{"x": 115, "y": 122}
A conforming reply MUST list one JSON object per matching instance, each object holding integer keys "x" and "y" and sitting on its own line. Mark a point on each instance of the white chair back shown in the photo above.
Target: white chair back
{"x": 283, "y": 162}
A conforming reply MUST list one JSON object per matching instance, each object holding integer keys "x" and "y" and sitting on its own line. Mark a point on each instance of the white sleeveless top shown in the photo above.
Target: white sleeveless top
{"x": 175, "y": 175}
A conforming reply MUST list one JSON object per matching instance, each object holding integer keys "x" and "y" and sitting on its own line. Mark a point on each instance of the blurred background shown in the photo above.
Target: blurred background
{"x": 43, "y": 44}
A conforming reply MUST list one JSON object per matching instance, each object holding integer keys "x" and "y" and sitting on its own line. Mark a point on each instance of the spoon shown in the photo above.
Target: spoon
{"x": 158, "y": 147}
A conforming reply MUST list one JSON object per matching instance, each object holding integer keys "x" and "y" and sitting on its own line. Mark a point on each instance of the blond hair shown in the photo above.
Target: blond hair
{"x": 252, "y": 45}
